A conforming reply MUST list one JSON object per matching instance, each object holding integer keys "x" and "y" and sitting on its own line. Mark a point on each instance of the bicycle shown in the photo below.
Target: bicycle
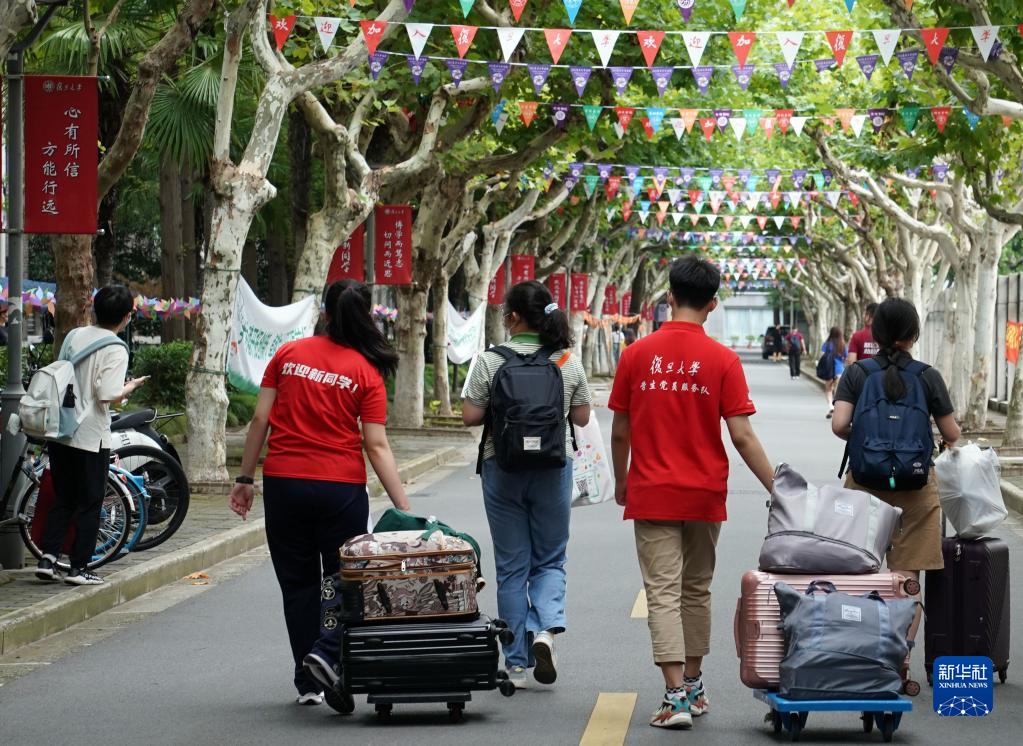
{"x": 162, "y": 487}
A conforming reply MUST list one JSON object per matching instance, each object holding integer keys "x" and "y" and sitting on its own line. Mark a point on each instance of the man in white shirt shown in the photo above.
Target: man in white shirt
{"x": 79, "y": 464}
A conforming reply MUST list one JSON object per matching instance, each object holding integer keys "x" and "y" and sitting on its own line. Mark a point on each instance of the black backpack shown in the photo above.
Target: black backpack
{"x": 826, "y": 364}
{"x": 526, "y": 415}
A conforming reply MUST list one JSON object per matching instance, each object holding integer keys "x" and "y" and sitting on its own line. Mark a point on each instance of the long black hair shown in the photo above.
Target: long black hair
{"x": 534, "y": 304}
{"x": 895, "y": 320}
{"x": 836, "y": 339}
{"x": 347, "y": 305}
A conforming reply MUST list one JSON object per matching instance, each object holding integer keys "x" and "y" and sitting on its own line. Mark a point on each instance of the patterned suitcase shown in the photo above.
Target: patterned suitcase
{"x": 758, "y": 641}
{"x": 398, "y": 575}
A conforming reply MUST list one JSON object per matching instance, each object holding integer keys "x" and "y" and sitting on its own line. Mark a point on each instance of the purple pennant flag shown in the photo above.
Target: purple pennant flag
{"x": 548, "y": 170}
{"x": 685, "y": 7}
{"x": 575, "y": 169}
{"x": 913, "y": 172}
{"x": 702, "y": 75}
{"x": 631, "y": 172}
{"x": 662, "y": 77}
{"x": 939, "y": 170}
{"x": 457, "y": 69}
{"x": 687, "y": 174}
{"x": 560, "y": 115}
{"x": 605, "y": 171}
{"x": 743, "y": 75}
{"x": 376, "y": 63}
{"x": 798, "y": 177}
{"x": 826, "y": 173}
{"x": 580, "y": 77}
{"x": 825, "y": 64}
{"x": 868, "y": 64}
{"x": 538, "y": 75}
{"x": 498, "y": 74}
{"x": 415, "y": 66}
{"x": 721, "y": 116}
{"x": 877, "y": 118}
{"x": 621, "y": 77}
{"x": 784, "y": 73}
{"x": 907, "y": 61}
{"x": 570, "y": 183}
{"x": 996, "y": 49}
{"x": 717, "y": 173}
{"x": 661, "y": 172}
{"x": 948, "y": 58}
{"x": 772, "y": 176}
{"x": 744, "y": 174}
{"x": 409, "y": 4}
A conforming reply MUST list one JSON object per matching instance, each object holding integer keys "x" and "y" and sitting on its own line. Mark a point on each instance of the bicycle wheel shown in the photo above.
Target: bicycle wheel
{"x": 114, "y": 527}
{"x": 167, "y": 488}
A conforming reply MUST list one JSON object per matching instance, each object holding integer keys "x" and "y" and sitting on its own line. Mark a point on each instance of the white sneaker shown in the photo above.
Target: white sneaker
{"x": 518, "y": 676}
{"x": 310, "y": 698}
{"x": 82, "y": 577}
{"x": 546, "y": 671}
{"x": 673, "y": 713}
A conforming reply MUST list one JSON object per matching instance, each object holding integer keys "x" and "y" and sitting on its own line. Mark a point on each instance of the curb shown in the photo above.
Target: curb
{"x": 1013, "y": 496}
{"x": 56, "y": 614}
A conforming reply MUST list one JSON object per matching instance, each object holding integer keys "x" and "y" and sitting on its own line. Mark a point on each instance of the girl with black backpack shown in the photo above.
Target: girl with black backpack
{"x": 831, "y": 365}
{"x": 525, "y": 393}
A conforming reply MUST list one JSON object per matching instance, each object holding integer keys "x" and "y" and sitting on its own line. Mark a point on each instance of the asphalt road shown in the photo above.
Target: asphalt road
{"x": 216, "y": 668}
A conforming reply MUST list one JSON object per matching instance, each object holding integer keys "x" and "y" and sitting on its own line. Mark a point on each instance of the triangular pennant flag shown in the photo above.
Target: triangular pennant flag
{"x": 409, "y": 4}
{"x": 628, "y": 9}
{"x": 499, "y": 116}
{"x": 762, "y": 221}
{"x": 416, "y": 67}
{"x": 779, "y": 221}
{"x": 886, "y": 40}
{"x": 625, "y": 114}
{"x": 498, "y": 73}
{"x": 767, "y": 123}
{"x": 707, "y": 124}
{"x": 557, "y": 39}
{"x": 790, "y": 42}
{"x": 678, "y": 126}
{"x": 377, "y": 60}
{"x": 948, "y": 58}
{"x": 509, "y": 36}
{"x": 795, "y": 199}
{"x": 662, "y": 77}
{"x": 572, "y": 8}
{"x": 418, "y": 34}
{"x": 711, "y": 219}
{"x": 878, "y": 117}
{"x": 784, "y": 73}
{"x": 738, "y": 127}
{"x": 611, "y": 188}
{"x": 689, "y": 117}
{"x": 372, "y": 32}
{"x": 605, "y": 42}
{"x": 940, "y": 114}
{"x": 907, "y": 61}
{"x": 580, "y": 77}
{"x": 702, "y": 75}
{"x": 738, "y": 7}
{"x": 745, "y": 220}
{"x": 971, "y": 118}
{"x": 527, "y": 111}
{"x": 856, "y": 122}
{"x": 649, "y": 44}
{"x": 721, "y": 116}
{"x": 326, "y": 29}
{"x": 752, "y": 117}
{"x": 538, "y": 75}
{"x": 466, "y": 6}
{"x": 282, "y": 30}
{"x": 592, "y": 113}
{"x": 457, "y": 70}
{"x": 849, "y": 4}
{"x": 833, "y": 198}
{"x": 844, "y": 117}
{"x": 656, "y": 116}
{"x": 463, "y": 36}
{"x": 839, "y": 43}
{"x": 647, "y": 128}
{"x": 795, "y": 219}
{"x": 934, "y": 40}
{"x": 517, "y": 6}
{"x": 590, "y": 184}
{"x": 696, "y": 43}
{"x": 797, "y": 124}
{"x": 985, "y": 36}
{"x": 910, "y": 115}
{"x": 742, "y": 43}
{"x": 620, "y": 76}
{"x": 743, "y": 75}
{"x": 868, "y": 64}
{"x": 784, "y": 117}
{"x": 685, "y": 7}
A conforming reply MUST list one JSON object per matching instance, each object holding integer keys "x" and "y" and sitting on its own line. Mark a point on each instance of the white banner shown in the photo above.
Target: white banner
{"x": 257, "y": 331}
{"x": 465, "y": 336}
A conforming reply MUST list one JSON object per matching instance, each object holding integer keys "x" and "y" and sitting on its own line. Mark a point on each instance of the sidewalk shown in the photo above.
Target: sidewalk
{"x": 30, "y": 610}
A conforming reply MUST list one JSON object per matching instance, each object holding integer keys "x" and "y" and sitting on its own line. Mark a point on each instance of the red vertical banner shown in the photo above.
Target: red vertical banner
{"x": 523, "y": 268}
{"x": 626, "y": 303}
{"x": 393, "y": 238}
{"x": 610, "y": 300}
{"x": 349, "y": 262}
{"x": 61, "y": 154}
{"x": 558, "y": 285}
{"x": 1013, "y": 334}
{"x": 495, "y": 293}
{"x": 580, "y": 289}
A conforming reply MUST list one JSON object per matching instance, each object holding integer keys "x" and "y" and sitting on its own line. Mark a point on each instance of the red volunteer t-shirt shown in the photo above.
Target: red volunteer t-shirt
{"x": 676, "y": 385}
{"x": 323, "y": 391}
{"x": 863, "y": 344}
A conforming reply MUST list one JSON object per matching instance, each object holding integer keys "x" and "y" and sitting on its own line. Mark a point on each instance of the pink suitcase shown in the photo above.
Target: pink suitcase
{"x": 758, "y": 641}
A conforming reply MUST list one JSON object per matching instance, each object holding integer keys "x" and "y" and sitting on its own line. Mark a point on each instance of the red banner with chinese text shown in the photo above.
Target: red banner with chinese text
{"x": 522, "y": 268}
{"x": 495, "y": 293}
{"x": 393, "y": 244}
{"x": 626, "y": 303}
{"x": 558, "y": 285}
{"x": 349, "y": 262}
{"x": 1013, "y": 334}
{"x": 610, "y": 300}
{"x": 580, "y": 289}
{"x": 61, "y": 154}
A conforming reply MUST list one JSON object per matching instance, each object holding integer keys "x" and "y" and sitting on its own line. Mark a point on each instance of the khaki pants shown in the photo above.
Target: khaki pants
{"x": 677, "y": 561}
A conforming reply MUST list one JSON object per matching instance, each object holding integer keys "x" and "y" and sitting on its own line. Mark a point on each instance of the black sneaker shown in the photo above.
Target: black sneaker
{"x": 341, "y": 702}
{"x": 319, "y": 670}
{"x": 46, "y": 569}
{"x": 82, "y": 577}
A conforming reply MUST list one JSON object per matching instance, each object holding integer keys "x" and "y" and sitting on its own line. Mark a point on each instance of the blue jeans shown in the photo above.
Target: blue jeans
{"x": 528, "y": 514}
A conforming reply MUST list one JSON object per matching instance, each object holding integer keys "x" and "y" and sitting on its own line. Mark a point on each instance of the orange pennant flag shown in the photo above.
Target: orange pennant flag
{"x": 373, "y": 32}
{"x": 688, "y": 118}
{"x": 557, "y": 38}
{"x": 463, "y": 36}
{"x": 845, "y": 117}
{"x": 767, "y": 123}
{"x": 517, "y": 6}
{"x": 650, "y": 44}
{"x": 628, "y": 9}
{"x": 527, "y": 112}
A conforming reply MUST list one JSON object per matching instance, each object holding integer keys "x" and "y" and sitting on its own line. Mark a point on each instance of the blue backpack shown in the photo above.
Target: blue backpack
{"x": 891, "y": 443}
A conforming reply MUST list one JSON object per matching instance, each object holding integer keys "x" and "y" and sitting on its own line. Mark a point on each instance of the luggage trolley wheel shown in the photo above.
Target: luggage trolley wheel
{"x": 797, "y": 721}
{"x": 506, "y": 688}
{"x": 911, "y": 586}
{"x": 868, "y": 721}
{"x": 910, "y": 688}
{"x": 886, "y": 724}
{"x": 774, "y": 718}
{"x": 457, "y": 709}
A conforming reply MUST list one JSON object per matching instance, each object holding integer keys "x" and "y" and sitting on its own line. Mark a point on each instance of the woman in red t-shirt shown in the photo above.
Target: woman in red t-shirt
{"x": 323, "y": 401}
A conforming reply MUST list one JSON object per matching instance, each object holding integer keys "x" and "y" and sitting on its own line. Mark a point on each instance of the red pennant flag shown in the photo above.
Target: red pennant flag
{"x": 694, "y": 196}
{"x": 729, "y": 219}
{"x": 768, "y": 124}
{"x": 839, "y": 43}
{"x": 708, "y": 124}
{"x": 648, "y": 128}
{"x": 463, "y": 36}
{"x": 934, "y": 40}
{"x": 728, "y": 182}
{"x": 694, "y": 219}
{"x": 557, "y": 38}
{"x": 650, "y": 44}
{"x": 784, "y": 118}
{"x": 762, "y": 221}
{"x": 660, "y": 217}
{"x": 517, "y": 6}
{"x": 624, "y": 115}
{"x": 1006, "y": 120}
{"x": 611, "y": 187}
{"x": 795, "y": 220}
{"x": 775, "y": 199}
{"x": 940, "y": 114}
{"x": 1020, "y": 27}
{"x": 791, "y": 3}
{"x": 652, "y": 194}
{"x": 742, "y": 43}
{"x": 282, "y": 28}
{"x": 527, "y": 112}
{"x": 372, "y": 32}
{"x": 627, "y": 211}
{"x": 854, "y": 199}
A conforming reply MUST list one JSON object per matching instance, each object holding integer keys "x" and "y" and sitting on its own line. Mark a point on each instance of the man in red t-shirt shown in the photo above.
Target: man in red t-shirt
{"x": 670, "y": 393}
{"x": 862, "y": 344}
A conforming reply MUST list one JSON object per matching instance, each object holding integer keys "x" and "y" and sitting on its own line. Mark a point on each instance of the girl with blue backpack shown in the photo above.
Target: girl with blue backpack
{"x": 831, "y": 365}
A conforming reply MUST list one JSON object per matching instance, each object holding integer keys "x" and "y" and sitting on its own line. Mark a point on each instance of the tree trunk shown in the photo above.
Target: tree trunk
{"x": 73, "y": 271}
{"x": 963, "y": 324}
{"x": 441, "y": 384}
{"x": 984, "y": 333}
{"x": 410, "y": 338}
{"x": 299, "y": 171}
{"x": 495, "y": 333}
{"x": 1014, "y": 417}
{"x": 189, "y": 240}
{"x": 250, "y": 265}
{"x": 277, "y": 267}
{"x": 172, "y": 270}
{"x": 104, "y": 247}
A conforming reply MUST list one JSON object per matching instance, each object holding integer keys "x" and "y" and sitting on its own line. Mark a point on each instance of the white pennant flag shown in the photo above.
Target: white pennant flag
{"x": 674, "y": 195}
{"x": 797, "y": 124}
{"x": 679, "y": 126}
{"x": 605, "y": 42}
{"x": 886, "y": 39}
{"x": 752, "y": 200}
{"x": 985, "y": 37}
{"x": 677, "y": 217}
{"x": 509, "y": 36}
{"x": 619, "y": 130}
{"x": 711, "y": 219}
{"x": 833, "y": 198}
{"x": 716, "y": 197}
{"x": 327, "y": 27}
{"x": 643, "y": 215}
{"x": 418, "y": 33}
{"x": 779, "y": 220}
{"x": 795, "y": 198}
{"x": 502, "y": 120}
{"x": 696, "y": 42}
{"x": 914, "y": 195}
{"x": 738, "y": 126}
{"x": 610, "y": 213}
{"x": 856, "y": 122}
{"x": 746, "y": 220}
{"x": 790, "y": 42}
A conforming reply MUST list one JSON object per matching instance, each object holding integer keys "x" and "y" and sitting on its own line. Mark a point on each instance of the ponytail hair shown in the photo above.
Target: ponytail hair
{"x": 895, "y": 320}
{"x": 347, "y": 305}
{"x": 534, "y": 304}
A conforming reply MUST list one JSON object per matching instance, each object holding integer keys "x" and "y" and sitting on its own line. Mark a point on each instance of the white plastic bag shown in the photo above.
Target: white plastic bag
{"x": 969, "y": 490}
{"x": 592, "y": 481}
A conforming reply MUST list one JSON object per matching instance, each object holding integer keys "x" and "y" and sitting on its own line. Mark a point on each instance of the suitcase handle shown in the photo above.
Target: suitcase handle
{"x": 442, "y": 594}
{"x": 384, "y": 599}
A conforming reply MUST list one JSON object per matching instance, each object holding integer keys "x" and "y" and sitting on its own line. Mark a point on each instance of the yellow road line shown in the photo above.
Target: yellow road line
{"x": 609, "y": 721}
{"x": 639, "y": 610}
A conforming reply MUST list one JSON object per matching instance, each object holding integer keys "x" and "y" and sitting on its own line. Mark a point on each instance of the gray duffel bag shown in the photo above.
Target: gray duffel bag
{"x": 839, "y": 646}
{"x": 828, "y": 530}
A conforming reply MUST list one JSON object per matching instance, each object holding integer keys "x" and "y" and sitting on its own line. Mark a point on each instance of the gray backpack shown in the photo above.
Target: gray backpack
{"x": 840, "y": 646}
{"x": 827, "y": 531}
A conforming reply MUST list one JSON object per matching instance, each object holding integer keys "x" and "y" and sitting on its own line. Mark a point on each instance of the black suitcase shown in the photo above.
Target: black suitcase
{"x": 967, "y": 603}
{"x": 426, "y": 662}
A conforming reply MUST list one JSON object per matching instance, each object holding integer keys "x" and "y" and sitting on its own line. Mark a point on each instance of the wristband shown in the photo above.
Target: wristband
{"x": 242, "y": 479}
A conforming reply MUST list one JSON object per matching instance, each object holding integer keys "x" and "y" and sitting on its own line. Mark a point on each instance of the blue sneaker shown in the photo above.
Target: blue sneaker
{"x": 699, "y": 702}
{"x": 673, "y": 713}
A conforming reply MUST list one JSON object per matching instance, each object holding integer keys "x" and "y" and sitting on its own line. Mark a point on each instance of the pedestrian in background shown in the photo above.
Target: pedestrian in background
{"x": 797, "y": 348}
{"x": 836, "y": 349}
{"x": 3, "y": 323}
{"x": 528, "y": 511}
{"x": 671, "y": 392}
{"x": 616, "y": 343}
{"x": 323, "y": 401}
{"x": 861, "y": 343}
{"x": 777, "y": 344}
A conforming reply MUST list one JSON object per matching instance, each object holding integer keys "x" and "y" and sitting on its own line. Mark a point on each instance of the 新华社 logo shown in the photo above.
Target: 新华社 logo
{"x": 963, "y": 686}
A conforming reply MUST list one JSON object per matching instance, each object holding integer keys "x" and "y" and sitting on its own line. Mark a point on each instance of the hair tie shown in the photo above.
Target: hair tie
{"x": 550, "y": 308}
